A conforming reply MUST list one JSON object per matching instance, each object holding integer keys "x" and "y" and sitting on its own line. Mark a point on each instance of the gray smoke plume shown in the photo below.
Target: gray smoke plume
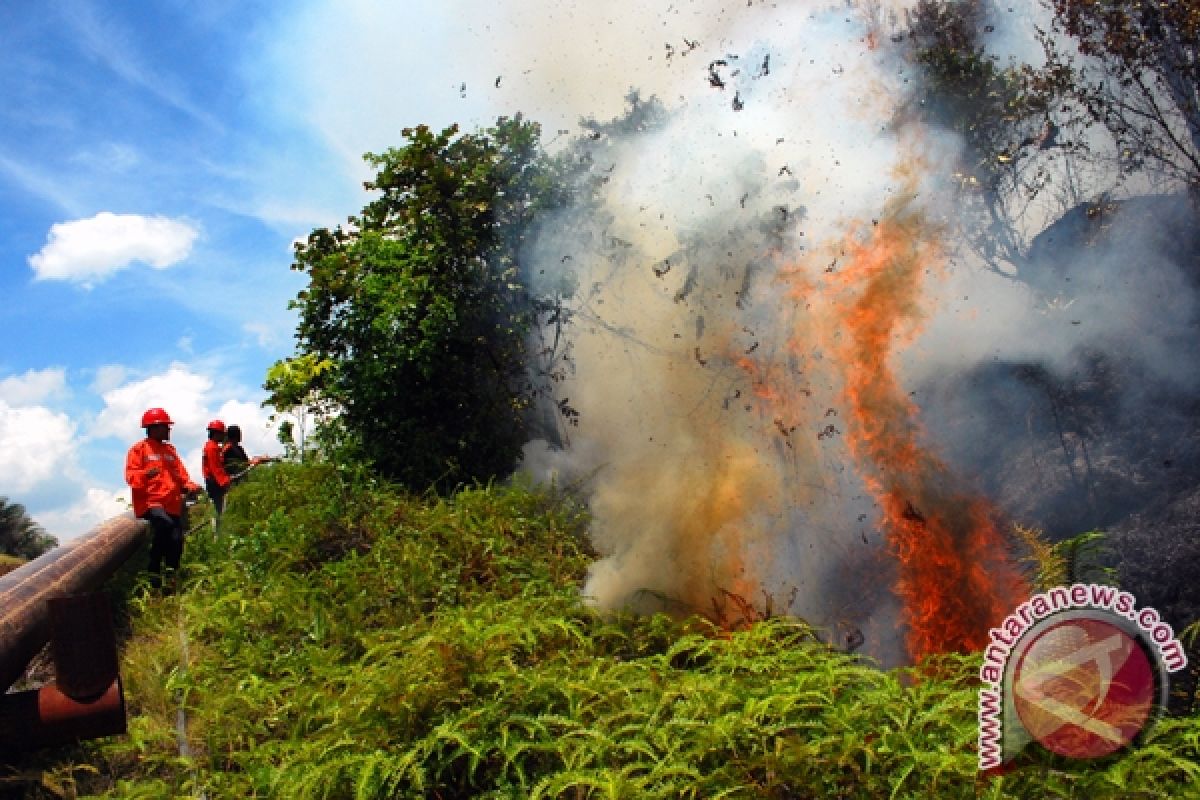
{"x": 710, "y": 435}
{"x": 711, "y": 428}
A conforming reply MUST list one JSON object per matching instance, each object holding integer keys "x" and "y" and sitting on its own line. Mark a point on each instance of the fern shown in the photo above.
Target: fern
{"x": 1048, "y": 563}
{"x": 1077, "y": 559}
{"x": 1084, "y": 555}
{"x": 454, "y": 657}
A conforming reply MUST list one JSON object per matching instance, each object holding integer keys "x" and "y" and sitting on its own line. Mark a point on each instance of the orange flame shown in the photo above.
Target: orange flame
{"x": 955, "y": 580}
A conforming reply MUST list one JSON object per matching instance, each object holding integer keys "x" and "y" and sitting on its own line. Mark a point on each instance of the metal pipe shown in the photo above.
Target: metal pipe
{"x": 48, "y": 717}
{"x": 81, "y": 565}
{"x": 83, "y": 644}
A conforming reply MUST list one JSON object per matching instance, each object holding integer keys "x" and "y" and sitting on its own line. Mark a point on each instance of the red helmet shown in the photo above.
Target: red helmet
{"x": 155, "y": 416}
{"x": 216, "y": 425}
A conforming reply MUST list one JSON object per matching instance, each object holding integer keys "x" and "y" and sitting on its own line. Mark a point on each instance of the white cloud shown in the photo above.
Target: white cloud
{"x": 35, "y": 445}
{"x": 96, "y": 506}
{"x": 191, "y": 399}
{"x": 179, "y": 390}
{"x": 258, "y": 431}
{"x": 108, "y": 377}
{"x": 34, "y": 387}
{"x": 265, "y": 335}
{"x": 88, "y": 250}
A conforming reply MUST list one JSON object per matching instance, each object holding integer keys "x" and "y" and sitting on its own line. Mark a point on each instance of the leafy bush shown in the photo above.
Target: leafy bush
{"x": 348, "y": 640}
{"x": 415, "y": 319}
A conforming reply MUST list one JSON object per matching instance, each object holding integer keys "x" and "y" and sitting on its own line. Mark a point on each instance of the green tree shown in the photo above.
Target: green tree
{"x": 296, "y": 387}
{"x": 417, "y": 310}
{"x": 19, "y": 535}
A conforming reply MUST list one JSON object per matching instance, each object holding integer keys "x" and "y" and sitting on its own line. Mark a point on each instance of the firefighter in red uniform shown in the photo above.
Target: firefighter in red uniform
{"x": 159, "y": 481}
{"x": 212, "y": 464}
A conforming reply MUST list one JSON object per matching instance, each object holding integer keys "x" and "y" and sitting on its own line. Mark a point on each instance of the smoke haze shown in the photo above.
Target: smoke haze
{"x": 729, "y": 468}
{"x": 710, "y": 432}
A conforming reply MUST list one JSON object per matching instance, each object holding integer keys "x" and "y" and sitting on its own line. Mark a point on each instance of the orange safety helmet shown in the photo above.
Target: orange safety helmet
{"x": 216, "y": 425}
{"x": 155, "y": 416}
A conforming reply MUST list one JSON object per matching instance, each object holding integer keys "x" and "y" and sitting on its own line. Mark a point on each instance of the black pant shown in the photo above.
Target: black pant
{"x": 216, "y": 494}
{"x": 167, "y": 544}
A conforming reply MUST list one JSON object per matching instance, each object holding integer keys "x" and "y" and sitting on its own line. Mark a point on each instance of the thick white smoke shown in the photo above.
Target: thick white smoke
{"x": 710, "y": 435}
{"x": 709, "y": 431}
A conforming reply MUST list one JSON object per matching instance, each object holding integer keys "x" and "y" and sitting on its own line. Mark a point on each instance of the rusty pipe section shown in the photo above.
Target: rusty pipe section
{"x": 86, "y": 700}
{"x": 81, "y": 565}
{"x": 48, "y": 717}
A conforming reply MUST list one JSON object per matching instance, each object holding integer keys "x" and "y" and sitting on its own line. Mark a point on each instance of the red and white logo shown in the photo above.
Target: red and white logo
{"x": 1084, "y": 688}
{"x": 1078, "y": 669}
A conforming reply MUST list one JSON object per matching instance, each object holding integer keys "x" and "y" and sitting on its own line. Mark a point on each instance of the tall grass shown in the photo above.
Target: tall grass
{"x": 9, "y": 563}
{"x": 345, "y": 640}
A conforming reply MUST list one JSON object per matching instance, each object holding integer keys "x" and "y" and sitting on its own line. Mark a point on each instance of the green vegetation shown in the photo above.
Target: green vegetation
{"x": 9, "y": 563}
{"x": 347, "y": 640}
{"x": 1078, "y": 559}
{"x": 415, "y": 321}
{"x": 20, "y": 536}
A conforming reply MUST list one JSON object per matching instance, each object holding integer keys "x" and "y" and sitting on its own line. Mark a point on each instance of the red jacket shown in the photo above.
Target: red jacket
{"x": 212, "y": 464}
{"x": 165, "y": 488}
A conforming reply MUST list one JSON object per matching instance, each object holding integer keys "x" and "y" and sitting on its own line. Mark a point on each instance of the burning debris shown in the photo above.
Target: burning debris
{"x": 872, "y": 520}
{"x": 714, "y": 77}
{"x": 828, "y": 432}
{"x": 953, "y": 575}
